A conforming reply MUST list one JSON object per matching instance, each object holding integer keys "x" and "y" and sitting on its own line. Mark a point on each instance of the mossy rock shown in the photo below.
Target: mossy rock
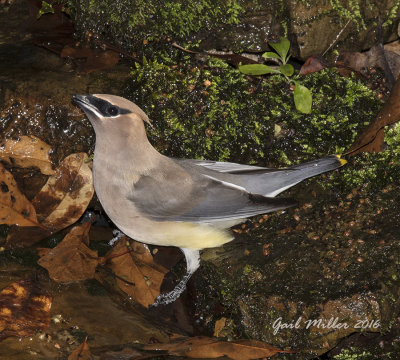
{"x": 341, "y": 243}
{"x": 132, "y": 23}
{"x": 240, "y": 25}
{"x": 215, "y": 112}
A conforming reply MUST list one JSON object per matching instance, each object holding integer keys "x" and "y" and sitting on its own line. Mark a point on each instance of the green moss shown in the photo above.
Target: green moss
{"x": 354, "y": 354}
{"x": 392, "y": 14}
{"x": 353, "y": 10}
{"x": 130, "y": 21}
{"x": 349, "y": 10}
{"x": 217, "y": 113}
{"x": 214, "y": 112}
{"x": 360, "y": 354}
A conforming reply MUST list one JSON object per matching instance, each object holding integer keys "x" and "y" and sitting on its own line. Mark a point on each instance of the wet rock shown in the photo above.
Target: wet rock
{"x": 245, "y": 25}
{"x": 311, "y": 329}
{"x": 330, "y": 270}
{"x": 315, "y": 25}
{"x": 36, "y": 87}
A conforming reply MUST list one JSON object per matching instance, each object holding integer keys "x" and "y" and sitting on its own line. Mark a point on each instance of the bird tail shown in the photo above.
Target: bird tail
{"x": 273, "y": 183}
{"x": 319, "y": 166}
{"x": 298, "y": 173}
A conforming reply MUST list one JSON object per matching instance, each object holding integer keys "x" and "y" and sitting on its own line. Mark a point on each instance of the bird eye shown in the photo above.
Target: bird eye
{"x": 113, "y": 111}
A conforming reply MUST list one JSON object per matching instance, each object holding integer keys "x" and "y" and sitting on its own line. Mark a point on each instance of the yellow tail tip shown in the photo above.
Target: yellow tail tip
{"x": 342, "y": 161}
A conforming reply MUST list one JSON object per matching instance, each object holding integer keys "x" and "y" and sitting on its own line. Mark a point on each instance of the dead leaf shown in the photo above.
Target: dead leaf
{"x": 380, "y": 57}
{"x": 42, "y": 251}
{"x": 15, "y": 208}
{"x": 82, "y": 352}
{"x": 60, "y": 203}
{"x": 25, "y": 236}
{"x": 372, "y": 138}
{"x": 66, "y": 195}
{"x": 24, "y": 309}
{"x": 71, "y": 259}
{"x": 26, "y": 152}
{"x": 393, "y": 47}
{"x": 136, "y": 265}
{"x": 313, "y": 64}
{"x": 219, "y": 326}
{"x": 211, "y": 348}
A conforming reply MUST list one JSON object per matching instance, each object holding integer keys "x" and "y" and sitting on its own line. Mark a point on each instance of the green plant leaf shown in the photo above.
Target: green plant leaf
{"x": 256, "y": 69}
{"x": 45, "y": 9}
{"x": 287, "y": 70}
{"x": 302, "y": 98}
{"x": 282, "y": 48}
{"x": 271, "y": 55}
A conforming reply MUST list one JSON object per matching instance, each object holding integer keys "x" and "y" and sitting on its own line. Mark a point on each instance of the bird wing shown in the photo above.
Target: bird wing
{"x": 265, "y": 181}
{"x": 203, "y": 199}
{"x": 225, "y": 167}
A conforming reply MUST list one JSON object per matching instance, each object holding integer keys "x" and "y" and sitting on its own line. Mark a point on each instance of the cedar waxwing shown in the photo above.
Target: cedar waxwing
{"x": 186, "y": 203}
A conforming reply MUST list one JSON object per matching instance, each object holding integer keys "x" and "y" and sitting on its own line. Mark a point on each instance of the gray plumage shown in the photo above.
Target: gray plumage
{"x": 178, "y": 202}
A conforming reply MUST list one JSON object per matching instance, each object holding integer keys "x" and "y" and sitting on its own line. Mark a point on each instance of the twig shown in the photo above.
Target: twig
{"x": 183, "y": 49}
{"x": 337, "y": 38}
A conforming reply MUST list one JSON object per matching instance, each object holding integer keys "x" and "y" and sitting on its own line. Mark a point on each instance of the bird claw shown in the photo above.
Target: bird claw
{"x": 169, "y": 297}
{"x": 192, "y": 263}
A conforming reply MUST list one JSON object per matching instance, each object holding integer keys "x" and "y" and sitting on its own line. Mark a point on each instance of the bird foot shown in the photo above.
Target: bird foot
{"x": 192, "y": 264}
{"x": 169, "y": 297}
{"x": 117, "y": 236}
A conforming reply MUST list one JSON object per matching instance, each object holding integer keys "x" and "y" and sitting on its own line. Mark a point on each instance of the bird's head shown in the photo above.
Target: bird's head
{"x": 111, "y": 113}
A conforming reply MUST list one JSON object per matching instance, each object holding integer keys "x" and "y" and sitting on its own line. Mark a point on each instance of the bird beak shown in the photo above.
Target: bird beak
{"x": 80, "y": 100}
{"x": 85, "y": 103}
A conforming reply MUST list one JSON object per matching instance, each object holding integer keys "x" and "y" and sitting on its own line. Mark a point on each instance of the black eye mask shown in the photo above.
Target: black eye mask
{"x": 105, "y": 108}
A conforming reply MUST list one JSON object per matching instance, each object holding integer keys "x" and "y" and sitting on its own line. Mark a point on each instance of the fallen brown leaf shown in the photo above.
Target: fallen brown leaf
{"x": 372, "y": 138}
{"x": 15, "y": 208}
{"x": 211, "y": 348}
{"x": 82, "y": 352}
{"x": 378, "y": 57}
{"x": 136, "y": 266}
{"x": 24, "y": 309}
{"x": 71, "y": 259}
{"x": 26, "y": 152}
{"x": 18, "y": 237}
{"x": 313, "y": 64}
{"x": 60, "y": 203}
{"x": 219, "y": 326}
{"x": 42, "y": 251}
{"x": 66, "y": 195}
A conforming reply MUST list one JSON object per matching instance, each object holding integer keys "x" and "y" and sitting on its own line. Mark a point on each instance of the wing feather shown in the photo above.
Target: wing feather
{"x": 209, "y": 200}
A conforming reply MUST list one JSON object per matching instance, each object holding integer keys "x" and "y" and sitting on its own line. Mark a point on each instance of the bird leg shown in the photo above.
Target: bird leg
{"x": 192, "y": 264}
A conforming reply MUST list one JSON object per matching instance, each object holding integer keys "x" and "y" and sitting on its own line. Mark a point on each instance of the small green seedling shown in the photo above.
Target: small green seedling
{"x": 302, "y": 95}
